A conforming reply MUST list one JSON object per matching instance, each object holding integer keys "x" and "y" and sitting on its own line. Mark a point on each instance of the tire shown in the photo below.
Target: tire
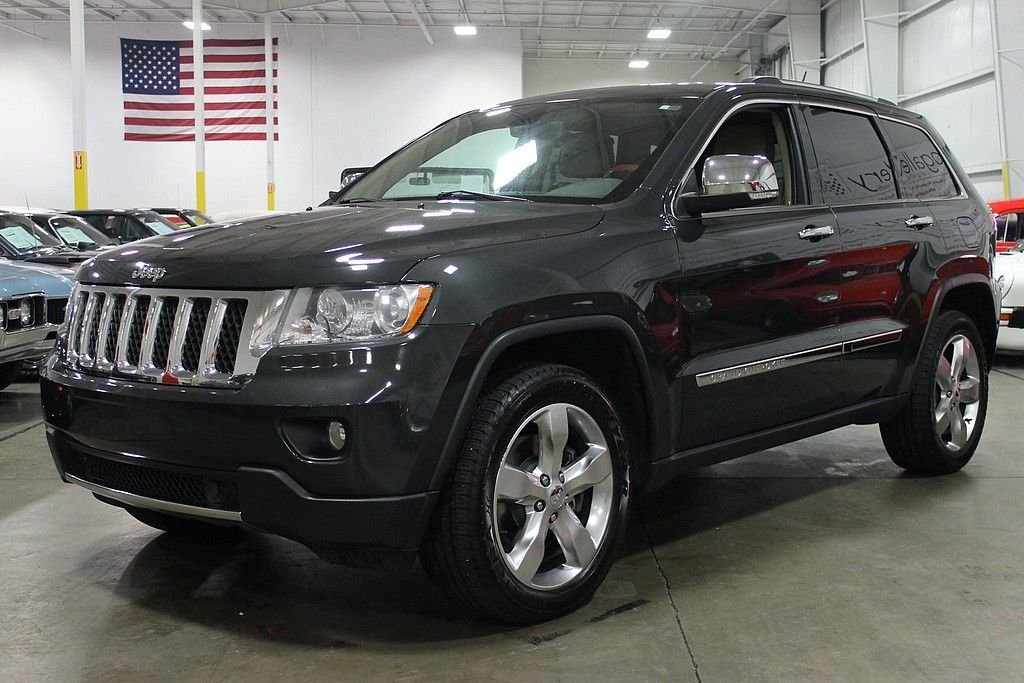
{"x": 9, "y": 373}
{"x": 479, "y": 548}
{"x": 183, "y": 526}
{"x": 938, "y": 429}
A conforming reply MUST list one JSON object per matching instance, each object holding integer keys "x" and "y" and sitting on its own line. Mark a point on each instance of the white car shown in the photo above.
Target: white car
{"x": 1008, "y": 268}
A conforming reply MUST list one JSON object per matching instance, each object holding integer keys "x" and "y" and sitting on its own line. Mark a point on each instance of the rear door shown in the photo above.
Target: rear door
{"x": 758, "y": 295}
{"x": 890, "y": 243}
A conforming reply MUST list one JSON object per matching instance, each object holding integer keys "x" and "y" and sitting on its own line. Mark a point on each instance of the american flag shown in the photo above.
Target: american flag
{"x": 157, "y": 80}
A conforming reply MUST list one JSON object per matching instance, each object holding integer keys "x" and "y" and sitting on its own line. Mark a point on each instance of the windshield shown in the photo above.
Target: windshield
{"x": 24, "y": 235}
{"x": 75, "y": 231}
{"x": 157, "y": 223}
{"x": 574, "y": 152}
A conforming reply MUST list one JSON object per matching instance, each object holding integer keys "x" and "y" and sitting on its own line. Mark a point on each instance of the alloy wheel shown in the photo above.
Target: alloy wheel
{"x": 957, "y": 397}
{"x": 553, "y": 497}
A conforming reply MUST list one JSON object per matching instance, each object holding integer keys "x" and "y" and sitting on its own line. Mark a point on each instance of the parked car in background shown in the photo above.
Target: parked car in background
{"x": 33, "y": 301}
{"x": 1008, "y": 269}
{"x": 183, "y": 218}
{"x": 1009, "y": 223}
{"x": 22, "y": 240}
{"x": 73, "y": 231}
{"x": 126, "y": 225}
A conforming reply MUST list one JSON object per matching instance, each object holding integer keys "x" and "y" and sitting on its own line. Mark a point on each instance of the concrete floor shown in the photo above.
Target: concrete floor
{"x": 815, "y": 561}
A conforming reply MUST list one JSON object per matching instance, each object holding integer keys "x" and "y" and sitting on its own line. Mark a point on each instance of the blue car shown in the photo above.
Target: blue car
{"x": 33, "y": 300}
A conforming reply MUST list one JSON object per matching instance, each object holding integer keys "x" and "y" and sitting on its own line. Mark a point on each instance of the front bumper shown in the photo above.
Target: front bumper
{"x": 27, "y": 345}
{"x": 1011, "y": 329}
{"x": 239, "y": 455}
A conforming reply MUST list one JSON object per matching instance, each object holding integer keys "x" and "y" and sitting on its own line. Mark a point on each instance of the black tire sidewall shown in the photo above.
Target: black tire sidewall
{"x": 948, "y": 326}
{"x": 556, "y": 384}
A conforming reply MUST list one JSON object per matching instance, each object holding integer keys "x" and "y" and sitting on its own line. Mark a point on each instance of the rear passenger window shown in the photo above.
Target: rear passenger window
{"x": 920, "y": 170}
{"x": 852, "y": 161}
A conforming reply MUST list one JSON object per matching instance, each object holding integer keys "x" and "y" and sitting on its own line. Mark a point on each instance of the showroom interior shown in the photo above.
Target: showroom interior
{"x": 814, "y": 559}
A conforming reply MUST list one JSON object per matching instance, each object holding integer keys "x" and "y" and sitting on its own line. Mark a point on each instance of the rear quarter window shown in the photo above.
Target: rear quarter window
{"x": 921, "y": 171}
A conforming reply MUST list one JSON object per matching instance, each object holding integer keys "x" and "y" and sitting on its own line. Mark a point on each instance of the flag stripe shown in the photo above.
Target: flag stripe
{"x": 190, "y": 137}
{"x": 159, "y": 89}
{"x": 190, "y": 106}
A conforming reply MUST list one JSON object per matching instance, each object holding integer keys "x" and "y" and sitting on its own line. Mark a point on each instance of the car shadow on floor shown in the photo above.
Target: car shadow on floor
{"x": 264, "y": 587}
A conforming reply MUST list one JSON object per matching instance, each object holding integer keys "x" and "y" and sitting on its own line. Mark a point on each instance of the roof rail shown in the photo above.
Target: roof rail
{"x": 762, "y": 79}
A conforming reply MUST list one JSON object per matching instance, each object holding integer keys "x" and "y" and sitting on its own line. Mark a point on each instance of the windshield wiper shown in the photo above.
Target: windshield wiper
{"x": 470, "y": 194}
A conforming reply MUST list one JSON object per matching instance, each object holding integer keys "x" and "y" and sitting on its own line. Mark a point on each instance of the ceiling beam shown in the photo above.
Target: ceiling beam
{"x": 419, "y": 20}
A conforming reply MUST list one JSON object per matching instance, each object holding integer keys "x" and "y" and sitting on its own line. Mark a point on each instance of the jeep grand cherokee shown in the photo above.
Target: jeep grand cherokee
{"x": 496, "y": 338}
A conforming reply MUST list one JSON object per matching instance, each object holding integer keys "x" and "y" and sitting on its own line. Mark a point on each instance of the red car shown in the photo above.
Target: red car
{"x": 1009, "y": 222}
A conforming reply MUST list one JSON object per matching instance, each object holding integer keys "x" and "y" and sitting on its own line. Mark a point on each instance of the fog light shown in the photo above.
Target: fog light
{"x": 336, "y": 435}
{"x": 26, "y": 312}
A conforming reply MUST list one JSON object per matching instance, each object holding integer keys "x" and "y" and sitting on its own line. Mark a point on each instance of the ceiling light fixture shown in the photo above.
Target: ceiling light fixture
{"x": 191, "y": 26}
{"x": 638, "y": 64}
{"x": 659, "y": 33}
{"x": 465, "y": 30}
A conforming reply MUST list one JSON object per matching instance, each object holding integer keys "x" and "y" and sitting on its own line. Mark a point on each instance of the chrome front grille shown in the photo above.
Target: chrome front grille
{"x": 167, "y": 336}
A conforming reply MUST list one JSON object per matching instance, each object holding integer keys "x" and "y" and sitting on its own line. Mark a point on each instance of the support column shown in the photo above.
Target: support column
{"x": 882, "y": 47}
{"x": 80, "y": 168}
{"x": 268, "y": 56}
{"x": 200, "y": 84}
{"x": 805, "y": 40}
{"x": 1008, "y": 44}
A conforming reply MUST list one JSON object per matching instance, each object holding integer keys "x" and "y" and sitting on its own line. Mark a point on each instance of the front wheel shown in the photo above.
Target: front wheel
{"x": 528, "y": 526}
{"x": 939, "y": 428}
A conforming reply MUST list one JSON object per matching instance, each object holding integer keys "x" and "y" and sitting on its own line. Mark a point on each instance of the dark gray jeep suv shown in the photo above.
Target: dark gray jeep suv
{"x": 491, "y": 341}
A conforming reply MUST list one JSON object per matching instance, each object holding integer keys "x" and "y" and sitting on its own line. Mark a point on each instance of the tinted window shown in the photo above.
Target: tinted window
{"x": 852, "y": 161}
{"x": 920, "y": 170}
{"x": 561, "y": 151}
{"x": 761, "y": 133}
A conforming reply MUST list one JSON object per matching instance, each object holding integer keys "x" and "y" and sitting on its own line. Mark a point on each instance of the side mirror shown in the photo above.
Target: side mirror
{"x": 731, "y": 181}
{"x": 351, "y": 175}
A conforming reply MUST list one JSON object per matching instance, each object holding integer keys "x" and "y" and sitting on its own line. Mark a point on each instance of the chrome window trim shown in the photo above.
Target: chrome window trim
{"x": 790, "y": 360}
{"x": 784, "y": 100}
{"x": 155, "y": 503}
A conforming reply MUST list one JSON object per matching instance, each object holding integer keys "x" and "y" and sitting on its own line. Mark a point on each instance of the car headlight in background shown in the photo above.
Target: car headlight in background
{"x": 324, "y": 315}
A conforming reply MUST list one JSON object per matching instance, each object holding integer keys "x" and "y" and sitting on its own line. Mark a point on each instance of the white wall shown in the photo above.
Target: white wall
{"x": 541, "y": 76}
{"x": 945, "y": 73}
{"x": 345, "y": 100}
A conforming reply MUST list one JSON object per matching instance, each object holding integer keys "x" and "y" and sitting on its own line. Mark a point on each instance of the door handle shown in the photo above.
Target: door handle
{"x": 829, "y": 297}
{"x": 920, "y": 222}
{"x": 814, "y": 232}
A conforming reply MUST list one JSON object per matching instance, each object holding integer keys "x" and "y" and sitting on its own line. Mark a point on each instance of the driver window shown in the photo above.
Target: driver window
{"x": 763, "y": 133}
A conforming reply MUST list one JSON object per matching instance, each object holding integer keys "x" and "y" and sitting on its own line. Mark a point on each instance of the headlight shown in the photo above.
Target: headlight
{"x": 26, "y": 312}
{"x": 334, "y": 314}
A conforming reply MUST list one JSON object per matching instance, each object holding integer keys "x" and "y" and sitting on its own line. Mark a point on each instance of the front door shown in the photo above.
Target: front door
{"x": 759, "y": 296}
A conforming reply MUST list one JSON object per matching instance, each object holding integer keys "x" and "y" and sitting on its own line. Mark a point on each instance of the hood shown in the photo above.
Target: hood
{"x": 17, "y": 279}
{"x": 361, "y": 243}
{"x": 68, "y": 258}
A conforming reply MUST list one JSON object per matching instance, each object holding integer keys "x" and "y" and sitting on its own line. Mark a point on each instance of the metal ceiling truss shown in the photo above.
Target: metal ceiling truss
{"x": 550, "y": 29}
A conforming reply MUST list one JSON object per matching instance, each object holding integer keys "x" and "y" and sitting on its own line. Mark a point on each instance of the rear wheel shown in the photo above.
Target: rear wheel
{"x": 9, "y": 373}
{"x": 528, "y": 526}
{"x": 938, "y": 430}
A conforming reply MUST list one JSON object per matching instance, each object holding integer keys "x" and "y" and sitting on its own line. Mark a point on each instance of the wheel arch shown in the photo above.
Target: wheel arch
{"x": 973, "y": 296}
{"x": 551, "y": 341}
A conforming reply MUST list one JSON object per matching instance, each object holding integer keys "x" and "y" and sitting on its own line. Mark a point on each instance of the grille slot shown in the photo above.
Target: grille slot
{"x": 167, "y": 336}
{"x": 135, "y": 327}
{"x": 152, "y": 482}
{"x": 162, "y": 341}
{"x": 230, "y": 333}
{"x": 55, "y": 310}
{"x": 194, "y": 334}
